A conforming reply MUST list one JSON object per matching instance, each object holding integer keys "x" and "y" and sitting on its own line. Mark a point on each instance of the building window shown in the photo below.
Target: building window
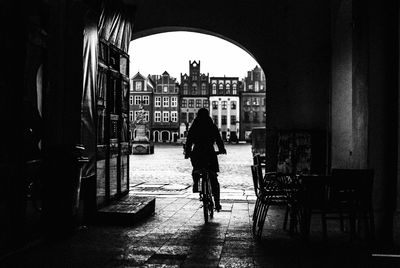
{"x": 221, "y": 89}
{"x": 263, "y": 101}
{"x": 130, "y": 100}
{"x": 146, "y": 116}
{"x": 233, "y": 105}
{"x": 174, "y": 116}
{"x": 131, "y": 116}
{"x": 183, "y": 117}
{"x": 205, "y": 103}
{"x": 194, "y": 89}
{"x": 257, "y": 86}
{"x": 165, "y": 89}
{"x": 184, "y": 103}
{"x": 255, "y": 117}
{"x": 136, "y": 115}
{"x": 215, "y": 119}
{"x": 185, "y": 89}
{"x": 165, "y": 101}
{"x": 246, "y": 117}
{"x": 138, "y": 86}
{"x": 215, "y": 104}
{"x": 174, "y": 101}
{"x": 256, "y": 101}
{"x": 198, "y": 103}
{"x": 233, "y": 119}
{"x": 145, "y": 100}
{"x": 158, "y": 101}
{"x": 223, "y": 103}
{"x": 157, "y": 116}
{"x": 191, "y": 117}
{"x": 223, "y": 120}
{"x": 165, "y": 116}
{"x": 191, "y": 103}
{"x": 137, "y": 100}
{"x": 214, "y": 89}
{"x": 203, "y": 89}
{"x": 247, "y": 101}
{"x": 234, "y": 89}
{"x": 228, "y": 89}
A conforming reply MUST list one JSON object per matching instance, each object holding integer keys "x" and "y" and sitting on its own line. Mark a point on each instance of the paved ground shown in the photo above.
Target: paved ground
{"x": 167, "y": 173}
{"x": 176, "y": 236}
{"x": 168, "y": 166}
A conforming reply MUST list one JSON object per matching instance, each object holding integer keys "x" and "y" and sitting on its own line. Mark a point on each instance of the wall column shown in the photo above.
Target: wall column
{"x": 219, "y": 114}
{"x": 228, "y": 115}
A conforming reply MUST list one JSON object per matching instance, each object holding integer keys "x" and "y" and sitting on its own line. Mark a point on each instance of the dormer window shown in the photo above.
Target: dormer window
{"x": 138, "y": 86}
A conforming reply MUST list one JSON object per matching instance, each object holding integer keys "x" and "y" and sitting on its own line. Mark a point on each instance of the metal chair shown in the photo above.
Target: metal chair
{"x": 267, "y": 192}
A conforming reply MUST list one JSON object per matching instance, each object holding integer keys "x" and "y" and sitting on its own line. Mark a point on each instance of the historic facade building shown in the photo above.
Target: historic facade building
{"x": 194, "y": 95}
{"x": 165, "y": 126}
{"x": 225, "y": 106}
{"x": 140, "y": 98}
{"x": 252, "y": 102}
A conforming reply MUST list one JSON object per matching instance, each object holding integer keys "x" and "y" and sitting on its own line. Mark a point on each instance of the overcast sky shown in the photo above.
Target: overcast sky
{"x": 172, "y": 51}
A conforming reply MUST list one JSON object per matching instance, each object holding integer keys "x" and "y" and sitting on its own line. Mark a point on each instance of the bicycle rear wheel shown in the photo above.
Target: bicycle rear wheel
{"x": 205, "y": 197}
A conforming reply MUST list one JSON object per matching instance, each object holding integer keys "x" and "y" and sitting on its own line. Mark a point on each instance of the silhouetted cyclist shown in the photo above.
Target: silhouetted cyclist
{"x": 202, "y": 136}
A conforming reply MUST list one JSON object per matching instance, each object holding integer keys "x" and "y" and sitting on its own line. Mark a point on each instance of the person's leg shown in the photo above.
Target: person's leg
{"x": 215, "y": 190}
{"x": 196, "y": 178}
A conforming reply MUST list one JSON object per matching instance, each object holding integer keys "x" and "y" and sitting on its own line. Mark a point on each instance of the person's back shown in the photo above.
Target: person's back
{"x": 200, "y": 148}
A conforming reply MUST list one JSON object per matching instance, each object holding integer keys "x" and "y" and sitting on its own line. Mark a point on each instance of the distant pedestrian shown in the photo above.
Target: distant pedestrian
{"x": 201, "y": 136}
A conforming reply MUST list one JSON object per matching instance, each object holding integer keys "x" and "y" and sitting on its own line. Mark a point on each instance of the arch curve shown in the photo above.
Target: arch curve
{"x": 167, "y": 29}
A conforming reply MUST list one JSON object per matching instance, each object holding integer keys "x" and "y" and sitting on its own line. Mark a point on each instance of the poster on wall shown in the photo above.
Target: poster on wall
{"x": 294, "y": 152}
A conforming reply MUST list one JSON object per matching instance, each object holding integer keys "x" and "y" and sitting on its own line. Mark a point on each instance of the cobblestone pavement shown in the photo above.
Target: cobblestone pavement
{"x": 176, "y": 236}
{"x": 167, "y": 172}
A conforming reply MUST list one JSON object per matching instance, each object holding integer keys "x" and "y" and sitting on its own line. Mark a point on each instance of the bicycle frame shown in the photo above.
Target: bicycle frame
{"x": 206, "y": 195}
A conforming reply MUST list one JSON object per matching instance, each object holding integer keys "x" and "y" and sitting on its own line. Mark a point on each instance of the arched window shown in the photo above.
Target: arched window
{"x": 214, "y": 89}
{"x": 234, "y": 89}
{"x": 221, "y": 89}
{"x": 203, "y": 89}
{"x": 194, "y": 88}
{"x": 185, "y": 89}
{"x": 228, "y": 89}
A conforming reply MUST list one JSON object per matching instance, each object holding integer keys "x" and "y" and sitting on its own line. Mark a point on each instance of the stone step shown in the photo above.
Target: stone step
{"x": 127, "y": 211}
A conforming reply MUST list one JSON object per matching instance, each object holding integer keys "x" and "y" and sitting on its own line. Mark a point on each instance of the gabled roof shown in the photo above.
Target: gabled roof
{"x": 165, "y": 73}
{"x": 138, "y": 76}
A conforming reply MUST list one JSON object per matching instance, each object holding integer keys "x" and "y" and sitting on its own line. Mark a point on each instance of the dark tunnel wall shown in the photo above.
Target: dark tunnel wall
{"x": 290, "y": 40}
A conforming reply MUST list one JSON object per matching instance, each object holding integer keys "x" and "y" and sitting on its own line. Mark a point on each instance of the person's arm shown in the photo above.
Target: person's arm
{"x": 219, "y": 141}
{"x": 189, "y": 143}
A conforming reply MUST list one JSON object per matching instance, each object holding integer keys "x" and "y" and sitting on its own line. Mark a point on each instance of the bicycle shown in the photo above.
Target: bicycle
{"x": 206, "y": 193}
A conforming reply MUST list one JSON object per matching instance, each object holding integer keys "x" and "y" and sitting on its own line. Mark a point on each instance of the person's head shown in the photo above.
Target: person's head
{"x": 202, "y": 113}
